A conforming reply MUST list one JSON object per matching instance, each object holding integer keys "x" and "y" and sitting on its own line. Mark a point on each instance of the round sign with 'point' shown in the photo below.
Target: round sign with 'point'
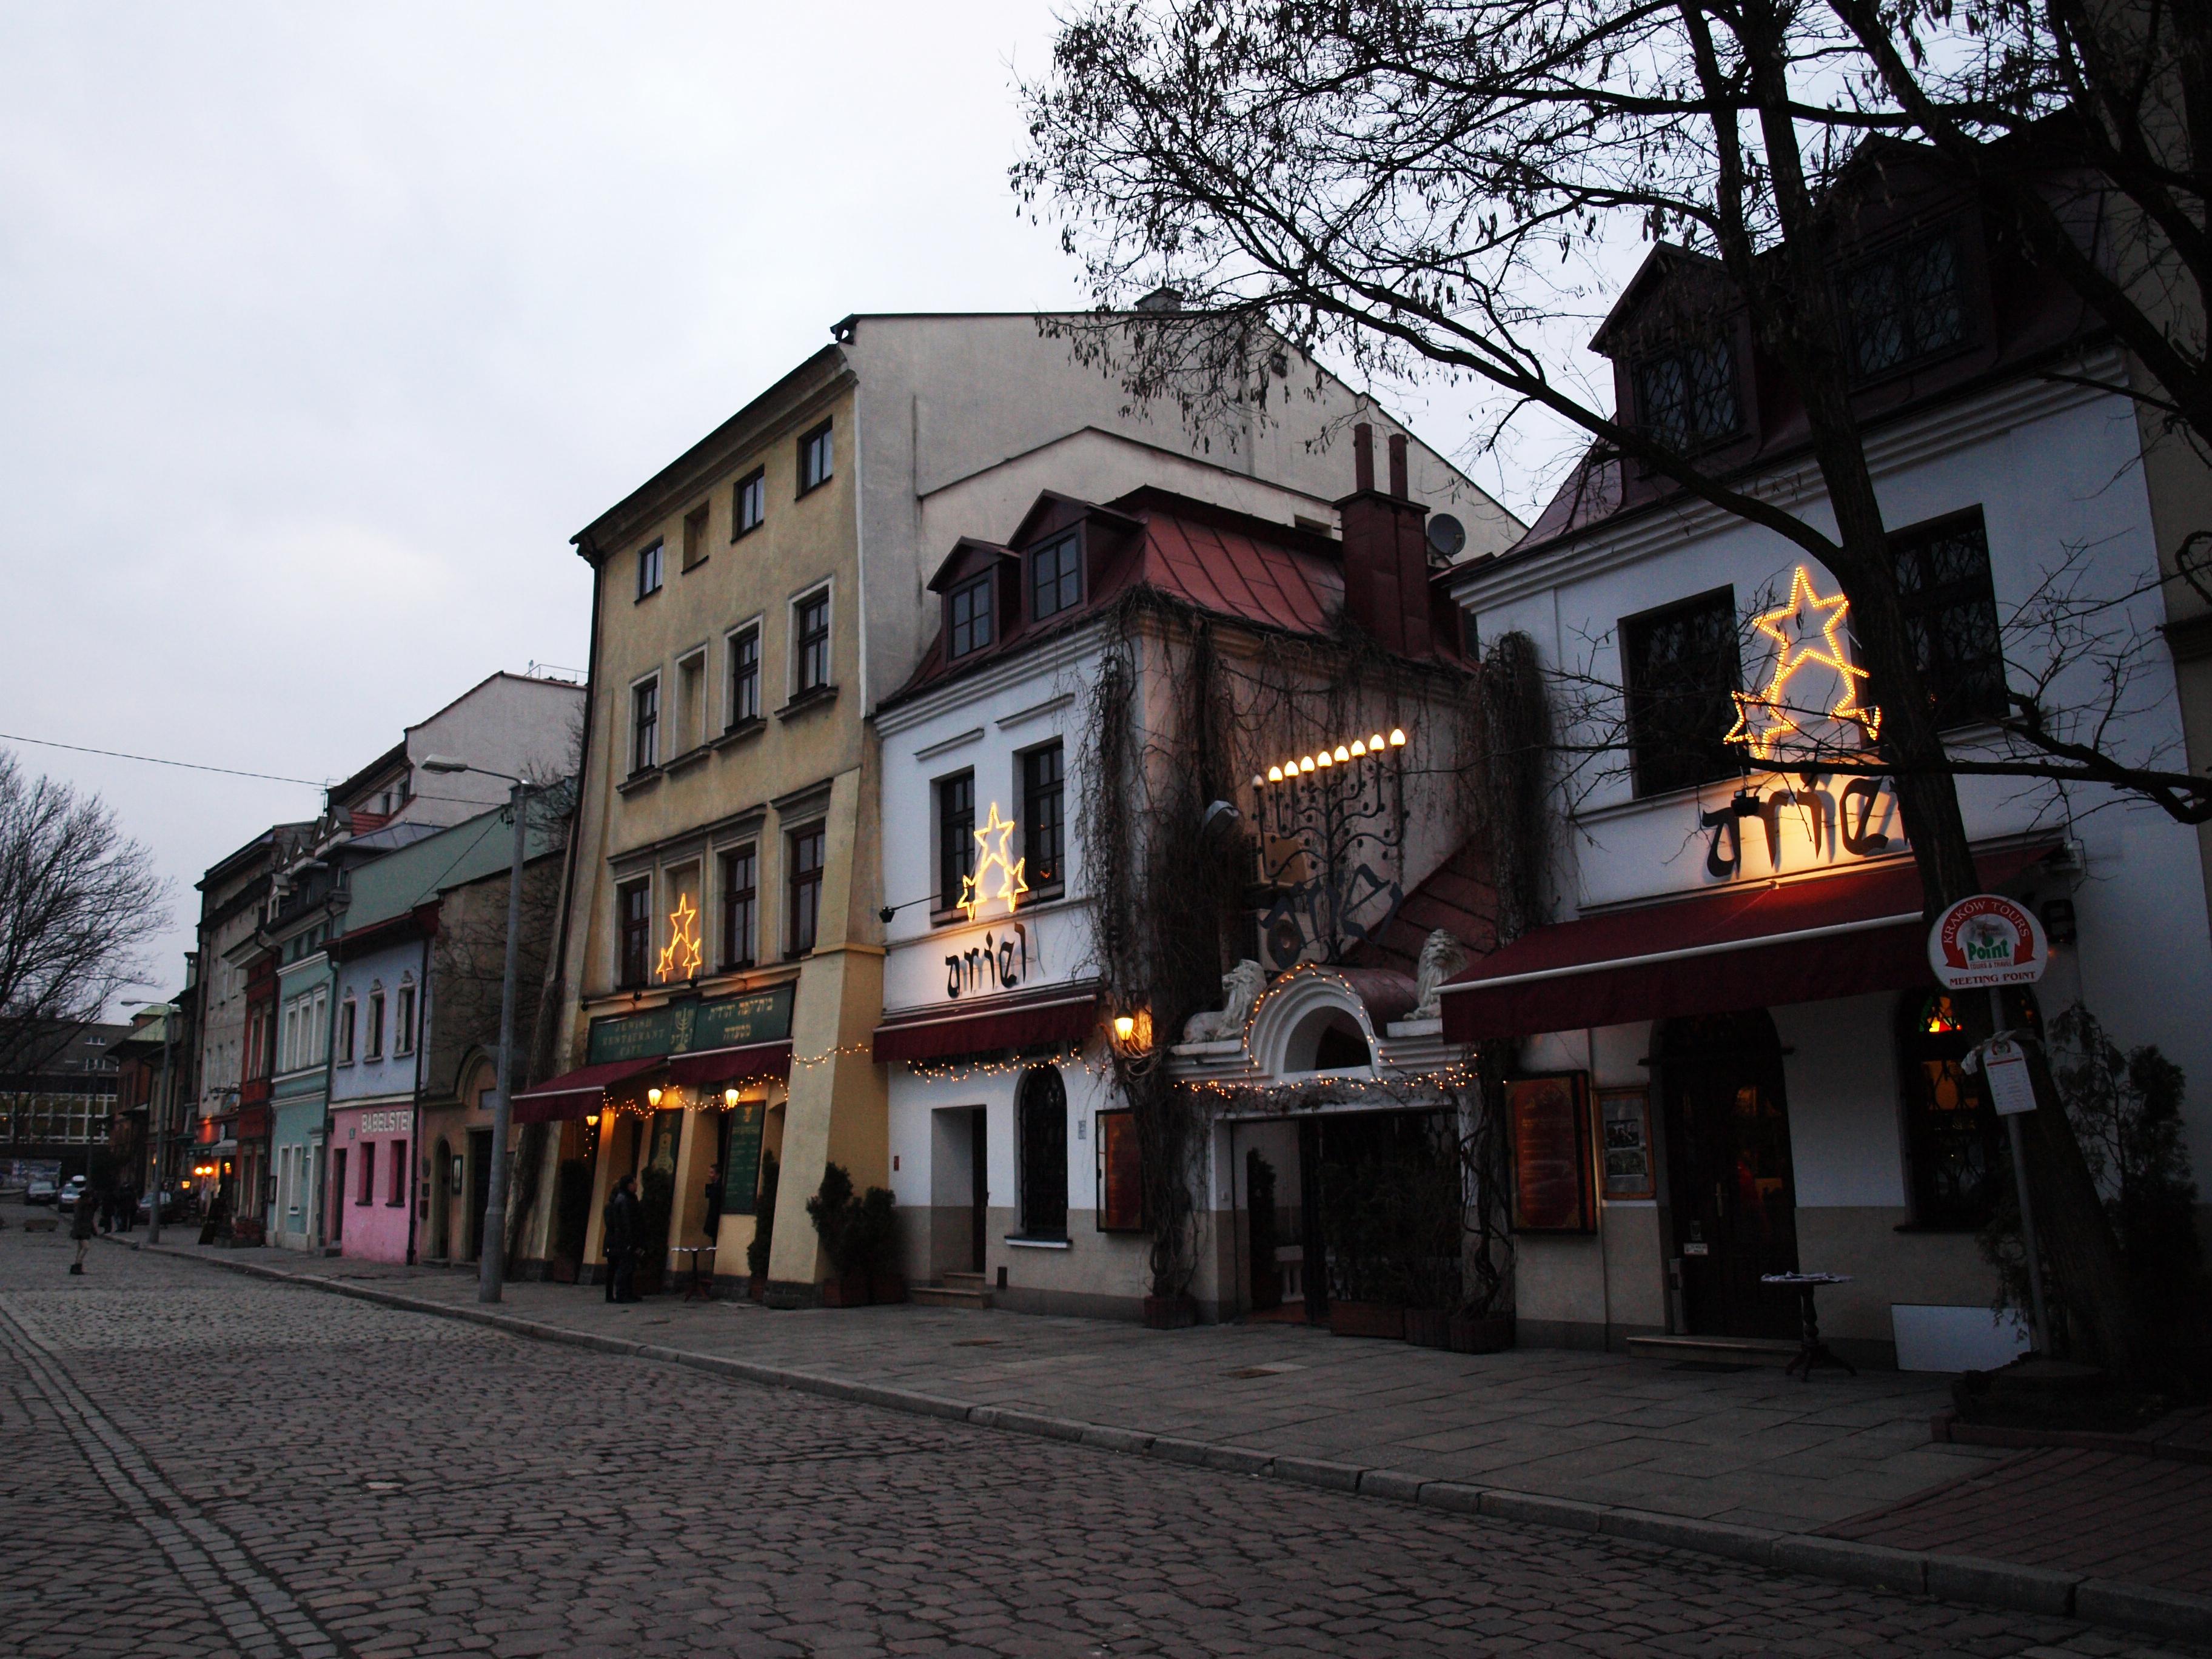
{"x": 1987, "y": 940}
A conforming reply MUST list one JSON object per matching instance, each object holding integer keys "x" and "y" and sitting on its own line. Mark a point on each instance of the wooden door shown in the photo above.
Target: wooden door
{"x": 1730, "y": 1190}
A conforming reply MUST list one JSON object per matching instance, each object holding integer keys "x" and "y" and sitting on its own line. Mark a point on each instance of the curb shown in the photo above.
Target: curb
{"x": 2005, "y": 1585}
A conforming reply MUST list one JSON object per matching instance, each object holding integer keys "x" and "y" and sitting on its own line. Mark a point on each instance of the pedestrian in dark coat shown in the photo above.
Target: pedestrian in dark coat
{"x": 623, "y": 1222}
{"x": 714, "y": 1202}
{"x": 83, "y": 1224}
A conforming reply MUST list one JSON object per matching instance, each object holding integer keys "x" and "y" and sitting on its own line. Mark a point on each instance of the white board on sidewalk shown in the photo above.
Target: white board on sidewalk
{"x": 1932, "y": 1338}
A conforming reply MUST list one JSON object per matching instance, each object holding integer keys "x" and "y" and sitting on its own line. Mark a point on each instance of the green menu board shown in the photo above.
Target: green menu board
{"x": 741, "y": 1163}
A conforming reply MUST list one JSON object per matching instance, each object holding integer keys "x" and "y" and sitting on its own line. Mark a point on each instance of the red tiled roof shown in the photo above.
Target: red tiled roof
{"x": 1457, "y": 896}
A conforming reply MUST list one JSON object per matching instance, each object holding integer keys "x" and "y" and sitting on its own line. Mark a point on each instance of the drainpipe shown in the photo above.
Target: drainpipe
{"x": 415, "y": 1132}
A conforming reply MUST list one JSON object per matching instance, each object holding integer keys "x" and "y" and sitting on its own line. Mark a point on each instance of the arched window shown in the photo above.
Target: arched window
{"x": 1041, "y": 1132}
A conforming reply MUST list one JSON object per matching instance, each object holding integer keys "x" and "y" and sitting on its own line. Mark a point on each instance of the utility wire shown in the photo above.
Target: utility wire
{"x": 157, "y": 760}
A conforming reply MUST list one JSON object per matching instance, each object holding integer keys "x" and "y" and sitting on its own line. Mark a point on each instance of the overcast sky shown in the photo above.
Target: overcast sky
{"x": 323, "y": 328}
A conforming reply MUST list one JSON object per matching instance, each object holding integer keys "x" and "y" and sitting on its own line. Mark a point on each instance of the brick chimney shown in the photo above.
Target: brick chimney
{"x": 1386, "y": 552}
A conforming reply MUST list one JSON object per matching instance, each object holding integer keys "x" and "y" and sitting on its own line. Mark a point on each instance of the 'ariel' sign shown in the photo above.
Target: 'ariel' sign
{"x": 1985, "y": 941}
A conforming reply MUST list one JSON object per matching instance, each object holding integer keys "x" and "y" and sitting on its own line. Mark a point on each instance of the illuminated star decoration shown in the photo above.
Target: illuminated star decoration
{"x": 1808, "y": 630}
{"x": 973, "y": 897}
{"x": 682, "y": 959}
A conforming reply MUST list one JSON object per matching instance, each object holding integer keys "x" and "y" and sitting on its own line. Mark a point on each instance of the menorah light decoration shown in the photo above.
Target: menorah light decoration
{"x": 1331, "y": 827}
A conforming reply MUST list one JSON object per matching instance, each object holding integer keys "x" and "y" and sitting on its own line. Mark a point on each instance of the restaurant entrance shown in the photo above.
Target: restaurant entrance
{"x": 1734, "y": 1201}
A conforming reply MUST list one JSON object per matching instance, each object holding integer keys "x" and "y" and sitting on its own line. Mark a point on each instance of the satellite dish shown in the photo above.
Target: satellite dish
{"x": 1447, "y": 535}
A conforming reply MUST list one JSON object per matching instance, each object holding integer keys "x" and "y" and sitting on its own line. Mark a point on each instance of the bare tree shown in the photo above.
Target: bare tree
{"x": 78, "y": 901}
{"x": 1449, "y": 188}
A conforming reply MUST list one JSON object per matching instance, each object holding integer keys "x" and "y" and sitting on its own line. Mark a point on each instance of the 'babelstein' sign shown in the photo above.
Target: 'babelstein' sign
{"x": 1987, "y": 940}
{"x": 682, "y": 1028}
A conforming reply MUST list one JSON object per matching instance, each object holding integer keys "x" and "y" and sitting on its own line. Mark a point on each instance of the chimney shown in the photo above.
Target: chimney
{"x": 1386, "y": 552}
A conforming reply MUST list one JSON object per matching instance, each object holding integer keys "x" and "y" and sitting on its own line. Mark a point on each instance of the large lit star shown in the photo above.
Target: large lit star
{"x": 1806, "y": 630}
{"x": 973, "y": 896}
{"x": 682, "y": 957}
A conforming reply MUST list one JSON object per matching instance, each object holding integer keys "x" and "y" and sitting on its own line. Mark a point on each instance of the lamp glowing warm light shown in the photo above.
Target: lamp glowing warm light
{"x": 652, "y": 1096}
{"x": 1397, "y": 738}
{"x": 729, "y": 1097}
{"x": 1342, "y": 753}
{"x": 1274, "y": 774}
{"x": 1357, "y": 749}
{"x": 1125, "y": 1027}
{"x": 1374, "y": 742}
{"x": 1306, "y": 764}
{"x": 1322, "y": 759}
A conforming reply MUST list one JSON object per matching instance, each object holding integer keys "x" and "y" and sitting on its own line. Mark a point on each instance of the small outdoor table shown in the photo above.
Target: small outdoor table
{"x": 700, "y": 1289}
{"x": 1811, "y": 1350}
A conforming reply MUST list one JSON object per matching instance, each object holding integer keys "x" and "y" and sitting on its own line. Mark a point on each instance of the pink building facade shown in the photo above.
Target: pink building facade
{"x": 371, "y": 1187}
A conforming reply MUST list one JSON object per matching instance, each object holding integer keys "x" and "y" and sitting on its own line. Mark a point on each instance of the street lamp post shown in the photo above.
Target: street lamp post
{"x": 158, "y": 1114}
{"x": 491, "y": 1267}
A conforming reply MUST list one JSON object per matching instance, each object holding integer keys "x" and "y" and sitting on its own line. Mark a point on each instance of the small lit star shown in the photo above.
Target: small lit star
{"x": 973, "y": 897}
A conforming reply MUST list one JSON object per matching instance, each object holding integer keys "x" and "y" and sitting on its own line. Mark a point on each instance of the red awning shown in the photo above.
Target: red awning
{"x": 987, "y": 1027}
{"x": 1718, "y": 952}
{"x": 575, "y": 1094}
{"x": 712, "y": 1067}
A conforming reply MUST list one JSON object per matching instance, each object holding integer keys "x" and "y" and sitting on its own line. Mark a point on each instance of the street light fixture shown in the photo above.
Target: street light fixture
{"x": 491, "y": 1267}
{"x": 159, "y": 1116}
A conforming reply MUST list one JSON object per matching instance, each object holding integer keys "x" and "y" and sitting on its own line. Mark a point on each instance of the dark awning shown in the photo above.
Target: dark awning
{"x": 1718, "y": 952}
{"x": 988, "y": 1027}
{"x": 577, "y": 1094}
{"x": 710, "y": 1068}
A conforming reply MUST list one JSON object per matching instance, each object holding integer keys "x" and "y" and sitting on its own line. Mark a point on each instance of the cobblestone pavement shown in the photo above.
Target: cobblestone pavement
{"x": 198, "y": 1463}
{"x": 1754, "y": 1447}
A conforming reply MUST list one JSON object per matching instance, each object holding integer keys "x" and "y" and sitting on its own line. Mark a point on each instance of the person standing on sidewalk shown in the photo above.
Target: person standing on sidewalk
{"x": 83, "y": 1223}
{"x": 620, "y": 1223}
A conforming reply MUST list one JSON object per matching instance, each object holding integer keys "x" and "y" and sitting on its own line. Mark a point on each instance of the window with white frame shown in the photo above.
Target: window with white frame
{"x": 810, "y": 641}
{"x": 403, "y": 1018}
{"x": 371, "y": 1046}
{"x": 349, "y": 1016}
{"x": 745, "y": 675}
{"x": 645, "y": 724}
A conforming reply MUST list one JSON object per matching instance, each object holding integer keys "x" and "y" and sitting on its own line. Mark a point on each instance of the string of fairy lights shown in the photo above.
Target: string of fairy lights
{"x": 1396, "y": 1086}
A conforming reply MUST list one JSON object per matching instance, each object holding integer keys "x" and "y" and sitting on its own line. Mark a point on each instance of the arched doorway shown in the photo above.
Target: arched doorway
{"x": 1729, "y": 1186}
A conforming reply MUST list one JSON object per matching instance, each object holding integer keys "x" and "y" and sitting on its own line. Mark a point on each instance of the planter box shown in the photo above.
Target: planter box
{"x": 1428, "y": 1328}
{"x": 1491, "y": 1334}
{"x": 847, "y": 1291}
{"x": 756, "y": 1287}
{"x": 1367, "y": 1319}
{"x": 887, "y": 1287}
{"x": 1169, "y": 1313}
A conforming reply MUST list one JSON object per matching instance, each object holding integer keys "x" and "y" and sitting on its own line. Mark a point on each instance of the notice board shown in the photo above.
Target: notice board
{"x": 1549, "y": 1116}
{"x": 741, "y": 1159}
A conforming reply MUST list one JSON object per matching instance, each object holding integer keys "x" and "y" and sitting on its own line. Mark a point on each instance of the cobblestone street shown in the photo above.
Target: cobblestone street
{"x": 199, "y": 1463}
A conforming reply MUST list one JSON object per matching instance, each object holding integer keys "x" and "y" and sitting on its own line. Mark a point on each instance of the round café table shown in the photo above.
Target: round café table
{"x": 702, "y": 1287}
{"x": 1811, "y": 1351}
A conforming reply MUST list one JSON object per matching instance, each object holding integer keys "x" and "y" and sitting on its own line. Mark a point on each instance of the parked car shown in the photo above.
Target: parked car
{"x": 172, "y": 1205}
{"x": 72, "y": 1190}
{"x": 41, "y": 1189}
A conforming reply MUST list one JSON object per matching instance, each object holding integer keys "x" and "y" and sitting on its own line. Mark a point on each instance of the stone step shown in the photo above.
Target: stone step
{"x": 961, "y": 1281}
{"x": 1717, "y": 1350}
{"x": 948, "y": 1296}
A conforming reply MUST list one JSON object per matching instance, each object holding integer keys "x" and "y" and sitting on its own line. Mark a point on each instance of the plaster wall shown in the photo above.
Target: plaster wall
{"x": 378, "y": 1229}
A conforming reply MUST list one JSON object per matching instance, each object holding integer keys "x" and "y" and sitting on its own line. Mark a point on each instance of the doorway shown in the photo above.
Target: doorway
{"x": 442, "y": 1202}
{"x": 479, "y": 1190}
{"x": 1732, "y": 1194}
{"x": 979, "y": 1186}
{"x": 339, "y": 1191}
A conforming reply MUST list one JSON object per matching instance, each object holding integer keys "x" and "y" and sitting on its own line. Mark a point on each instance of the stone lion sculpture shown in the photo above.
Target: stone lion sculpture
{"x": 1442, "y": 956}
{"x": 1241, "y": 987}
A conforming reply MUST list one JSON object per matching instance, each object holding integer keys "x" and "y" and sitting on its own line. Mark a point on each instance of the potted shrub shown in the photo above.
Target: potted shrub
{"x": 876, "y": 1248}
{"x": 839, "y": 1225}
{"x": 756, "y": 1252}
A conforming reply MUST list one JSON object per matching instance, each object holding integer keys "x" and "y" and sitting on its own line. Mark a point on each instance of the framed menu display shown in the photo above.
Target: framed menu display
{"x": 1549, "y": 1116}
{"x": 1624, "y": 1128}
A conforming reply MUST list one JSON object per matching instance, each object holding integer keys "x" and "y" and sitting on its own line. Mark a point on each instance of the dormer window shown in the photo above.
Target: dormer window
{"x": 1905, "y": 303}
{"x": 968, "y": 617}
{"x": 1686, "y": 395}
{"x": 1055, "y": 577}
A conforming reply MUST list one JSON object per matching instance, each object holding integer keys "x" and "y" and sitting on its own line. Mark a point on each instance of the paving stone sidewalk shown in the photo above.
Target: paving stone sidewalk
{"x": 1848, "y": 1457}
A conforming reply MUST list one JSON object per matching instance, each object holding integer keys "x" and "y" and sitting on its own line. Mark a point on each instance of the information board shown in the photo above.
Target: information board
{"x": 1550, "y": 1120}
{"x": 741, "y": 1160}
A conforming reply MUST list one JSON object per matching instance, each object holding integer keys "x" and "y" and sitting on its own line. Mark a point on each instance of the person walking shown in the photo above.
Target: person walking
{"x": 83, "y": 1224}
{"x": 621, "y": 1222}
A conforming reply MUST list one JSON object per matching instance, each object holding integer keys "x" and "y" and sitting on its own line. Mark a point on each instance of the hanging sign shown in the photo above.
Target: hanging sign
{"x": 2005, "y": 1069}
{"x": 681, "y": 1028}
{"x": 1987, "y": 941}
